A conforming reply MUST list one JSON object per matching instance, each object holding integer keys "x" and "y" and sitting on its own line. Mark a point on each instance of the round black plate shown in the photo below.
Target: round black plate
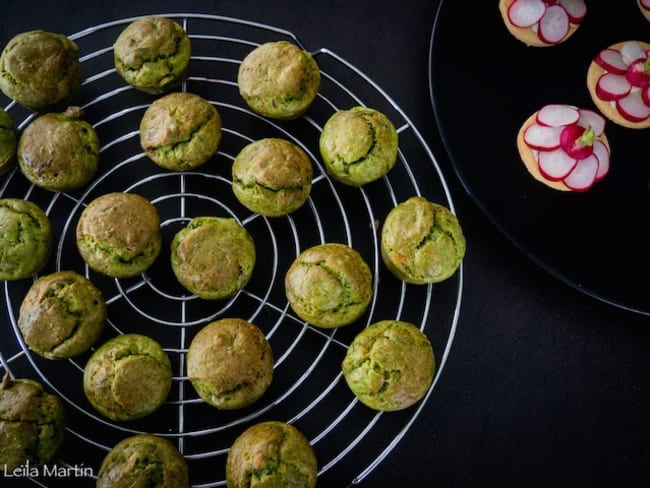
{"x": 484, "y": 83}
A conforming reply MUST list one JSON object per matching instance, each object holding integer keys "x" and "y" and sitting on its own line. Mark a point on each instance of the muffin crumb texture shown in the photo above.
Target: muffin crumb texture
{"x": 32, "y": 423}
{"x": 272, "y": 454}
{"x": 389, "y": 365}
{"x": 143, "y": 460}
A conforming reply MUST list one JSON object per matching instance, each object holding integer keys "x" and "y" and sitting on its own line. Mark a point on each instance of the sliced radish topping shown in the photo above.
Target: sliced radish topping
{"x": 611, "y": 60}
{"x": 602, "y": 154}
{"x": 645, "y": 4}
{"x": 554, "y": 25}
{"x": 542, "y": 138}
{"x": 525, "y": 13}
{"x": 583, "y": 175}
{"x": 555, "y": 165}
{"x": 632, "y": 107}
{"x": 645, "y": 95}
{"x": 631, "y": 51}
{"x": 556, "y": 115}
{"x": 636, "y": 73}
{"x": 576, "y": 9}
{"x": 589, "y": 118}
{"x": 610, "y": 87}
{"x": 572, "y": 141}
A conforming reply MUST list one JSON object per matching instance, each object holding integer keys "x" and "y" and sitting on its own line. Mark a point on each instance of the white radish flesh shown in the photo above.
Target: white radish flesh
{"x": 557, "y": 115}
{"x": 525, "y": 13}
{"x": 589, "y": 118}
{"x": 576, "y": 9}
{"x": 602, "y": 154}
{"x": 611, "y": 60}
{"x": 554, "y": 25}
{"x": 611, "y": 87}
{"x": 632, "y": 107}
{"x": 542, "y": 138}
{"x": 555, "y": 165}
{"x": 630, "y": 51}
{"x": 583, "y": 175}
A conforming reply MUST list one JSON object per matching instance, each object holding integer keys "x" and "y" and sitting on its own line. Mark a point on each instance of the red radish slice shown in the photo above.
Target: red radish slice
{"x": 583, "y": 175}
{"x": 589, "y": 118}
{"x": 611, "y": 60}
{"x": 576, "y": 9}
{"x": 633, "y": 108}
{"x": 645, "y": 4}
{"x": 542, "y": 138}
{"x": 557, "y": 114}
{"x": 554, "y": 25}
{"x": 555, "y": 165}
{"x": 602, "y": 154}
{"x": 630, "y": 51}
{"x": 610, "y": 87}
{"x": 636, "y": 73}
{"x": 525, "y": 13}
{"x": 645, "y": 95}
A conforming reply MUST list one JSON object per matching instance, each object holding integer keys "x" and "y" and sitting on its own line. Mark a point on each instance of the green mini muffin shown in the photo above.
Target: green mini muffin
{"x": 40, "y": 70}
{"x": 230, "y": 363}
{"x": 422, "y": 242}
{"x": 271, "y": 454}
{"x": 59, "y": 151}
{"x": 329, "y": 285}
{"x": 127, "y": 377}
{"x": 152, "y": 54}
{"x": 272, "y": 177}
{"x": 118, "y": 234}
{"x": 8, "y": 142}
{"x": 25, "y": 239}
{"x": 32, "y": 423}
{"x": 143, "y": 460}
{"x": 180, "y": 131}
{"x": 213, "y": 257}
{"x": 389, "y": 365}
{"x": 62, "y": 315}
{"x": 279, "y": 80}
{"x": 358, "y": 145}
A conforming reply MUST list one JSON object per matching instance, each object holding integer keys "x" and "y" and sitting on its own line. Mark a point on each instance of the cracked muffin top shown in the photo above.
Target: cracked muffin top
{"x": 180, "y": 131}
{"x": 152, "y": 54}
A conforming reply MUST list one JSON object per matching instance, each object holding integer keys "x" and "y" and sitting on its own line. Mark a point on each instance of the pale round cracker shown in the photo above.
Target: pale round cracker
{"x": 606, "y": 108}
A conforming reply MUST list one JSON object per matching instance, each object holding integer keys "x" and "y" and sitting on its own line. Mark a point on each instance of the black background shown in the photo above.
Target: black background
{"x": 545, "y": 386}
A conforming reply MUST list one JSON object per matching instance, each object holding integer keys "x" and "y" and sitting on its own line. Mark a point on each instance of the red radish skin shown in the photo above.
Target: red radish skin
{"x": 645, "y": 95}
{"x": 645, "y": 4}
{"x": 602, "y": 154}
{"x": 572, "y": 144}
{"x": 611, "y": 87}
{"x": 555, "y": 165}
{"x": 526, "y": 13}
{"x": 632, "y": 107}
{"x": 576, "y": 9}
{"x": 583, "y": 175}
{"x": 542, "y": 138}
{"x": 612, "y": 61}
{"x": 557, "y": 115}
{"x": 554, "y": 25}
{"x": 636, "y": 73}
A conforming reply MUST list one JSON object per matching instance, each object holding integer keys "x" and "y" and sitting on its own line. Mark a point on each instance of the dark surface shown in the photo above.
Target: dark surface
{"x": 545, "y": 386}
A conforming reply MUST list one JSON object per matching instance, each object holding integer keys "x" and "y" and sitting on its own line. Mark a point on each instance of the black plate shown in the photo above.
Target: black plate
{"x": 484, "y": 83}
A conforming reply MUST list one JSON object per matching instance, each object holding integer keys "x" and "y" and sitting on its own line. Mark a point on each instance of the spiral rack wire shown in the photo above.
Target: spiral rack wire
{"x": 308, "y": 390}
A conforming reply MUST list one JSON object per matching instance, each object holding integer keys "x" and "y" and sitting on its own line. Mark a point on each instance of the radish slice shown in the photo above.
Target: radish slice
{"x": 610, "y": 87}
{"x": 576, "y": 9}
{"x": 555, "y": 165}
{"x": 589, "y": 118}
{"x": 602, "y": 154}
{"x": 645, "y": 4}
{"x": 556, "y": 115}
{"x": 633, "y": 108}
{"x": 636, "y": 73}
{"x": 570, "y": 141}
{"x": 645, "y": 95}
{"x": 583, "y": 175}
{"x": 630, "y": 51}
{"x": 542, "y": 138}
{"x": 611, "y": 60}
{"x": 525, "y": 13}
{"x": 554, "y": 25}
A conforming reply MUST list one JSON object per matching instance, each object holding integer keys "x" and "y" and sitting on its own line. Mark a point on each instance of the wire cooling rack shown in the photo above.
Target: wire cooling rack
{"x": 349, "y": 439}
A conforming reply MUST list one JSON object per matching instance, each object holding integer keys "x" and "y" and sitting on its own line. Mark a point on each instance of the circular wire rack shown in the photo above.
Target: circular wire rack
{"x": 308, "y": 389}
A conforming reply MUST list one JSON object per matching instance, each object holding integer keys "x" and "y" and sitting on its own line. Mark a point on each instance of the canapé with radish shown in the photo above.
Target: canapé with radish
{"x": 618, "y": 79}
{"x": 542, "y": 23}
{"x": 565, "y": 147}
